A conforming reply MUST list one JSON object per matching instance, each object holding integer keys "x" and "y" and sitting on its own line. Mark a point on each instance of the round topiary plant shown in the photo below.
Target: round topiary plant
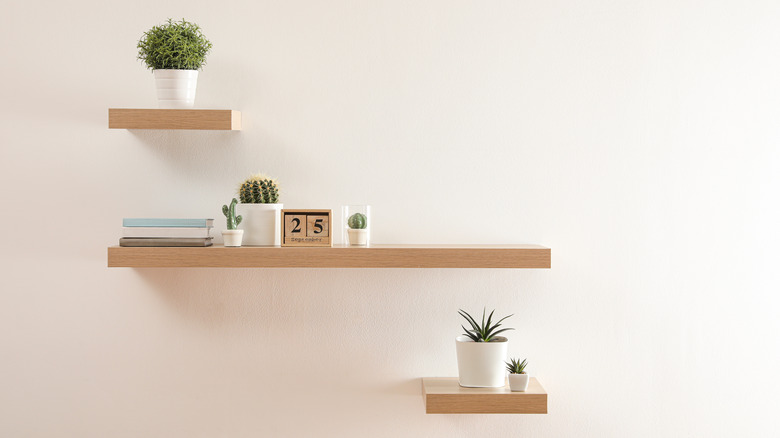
{"x": 175, "y": 45}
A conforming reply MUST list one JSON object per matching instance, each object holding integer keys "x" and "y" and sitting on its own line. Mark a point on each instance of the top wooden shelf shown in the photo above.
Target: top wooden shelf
{"x": 375, "y": 256}
{"x": 202, "y": 119}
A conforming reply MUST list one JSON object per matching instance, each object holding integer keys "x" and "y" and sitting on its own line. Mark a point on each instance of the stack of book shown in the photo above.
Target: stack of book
{"x": 166, "y": 232}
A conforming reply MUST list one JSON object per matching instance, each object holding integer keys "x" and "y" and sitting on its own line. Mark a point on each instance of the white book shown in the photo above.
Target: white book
{"x": 165, "y": 232}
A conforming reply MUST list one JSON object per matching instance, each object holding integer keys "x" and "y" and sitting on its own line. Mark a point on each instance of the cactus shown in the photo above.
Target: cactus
{"x": 230, "y": 214}
{"x": 259, "y": 189}
{"x": 357, "y": 221}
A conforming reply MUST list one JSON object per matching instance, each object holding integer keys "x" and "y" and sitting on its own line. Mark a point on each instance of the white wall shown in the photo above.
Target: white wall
{"x": 639, "y": 140}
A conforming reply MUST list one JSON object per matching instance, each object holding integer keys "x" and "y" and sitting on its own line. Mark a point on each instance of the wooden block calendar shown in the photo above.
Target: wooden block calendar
{"x": 306, "y": 227}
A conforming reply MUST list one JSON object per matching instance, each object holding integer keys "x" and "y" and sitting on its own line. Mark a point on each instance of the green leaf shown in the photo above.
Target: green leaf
{"x": 496, "y": 334}
{"x": 469, "y": 319}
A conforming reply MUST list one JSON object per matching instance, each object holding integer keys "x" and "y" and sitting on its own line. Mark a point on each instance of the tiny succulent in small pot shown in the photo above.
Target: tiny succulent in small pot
{"x": 358, "y": 234}
{"x": 260, "y": 206}
{"x": 232, "y": 236}
{"x": 481, "y": 352}
{"x": 518, "y": 379}
{"x": 174, "y": 51}
{"x": 514, "y": 366}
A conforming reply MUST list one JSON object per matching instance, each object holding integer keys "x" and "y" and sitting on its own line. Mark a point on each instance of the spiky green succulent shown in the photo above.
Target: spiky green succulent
{"x": 484, "y": 332}
{"x": 514, "y": 366}
{"x": 178, "y": 45}
{"x": 259, "y": 189}
{"x": 230, "y": 214}
{"x": 357, "y": 221}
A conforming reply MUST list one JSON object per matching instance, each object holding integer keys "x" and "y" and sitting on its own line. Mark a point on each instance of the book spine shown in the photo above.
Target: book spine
{"x": 148, "y": 242}
{"x": 164, "y": 222}
{"x": 165, "y": 232}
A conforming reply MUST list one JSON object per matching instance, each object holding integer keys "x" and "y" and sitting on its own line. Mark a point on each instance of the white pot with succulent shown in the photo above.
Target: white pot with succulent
{"x": 261, "y": 210}
{"x": 232, "y": 236}
{"x": 481, "y": 353}
{"x": 356, "y": 230}
{"x": 518, "y": 379}
{"x": 358, "y": 234}
{"x": 174, "y": 51}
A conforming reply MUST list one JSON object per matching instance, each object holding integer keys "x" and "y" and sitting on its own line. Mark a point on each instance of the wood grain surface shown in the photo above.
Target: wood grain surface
{"x": 443, "y": 395}
{"x": 375, "y": 256}
{"x": 204, "y": 119}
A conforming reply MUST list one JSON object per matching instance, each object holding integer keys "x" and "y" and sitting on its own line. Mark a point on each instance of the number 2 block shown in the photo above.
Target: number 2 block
{"x": 295, "y": 225}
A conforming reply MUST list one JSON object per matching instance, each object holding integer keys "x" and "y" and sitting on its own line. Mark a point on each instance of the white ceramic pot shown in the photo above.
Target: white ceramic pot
{"x": 518, "y": 382}
{"x": 232, "y": 237}
{"x": 358, "y": 237}
{"x": 481, "y": 364}
{"x": 262, "y": 224}
{"x": 176, "y": 88}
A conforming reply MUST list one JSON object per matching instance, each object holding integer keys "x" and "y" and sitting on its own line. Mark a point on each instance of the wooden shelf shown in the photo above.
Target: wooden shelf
{"x": 443, "y": 395}
{"x": 376, "y": 256}
{"x": 204, "y": 119}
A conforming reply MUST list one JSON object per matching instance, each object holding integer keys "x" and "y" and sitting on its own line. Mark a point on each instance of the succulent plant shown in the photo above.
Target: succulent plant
{"x": 230, "y": 214}
{"x": 259, "y": 189}
{"x": 357, "y": 221}
{"x": 485, "y": 332}
{"x": 514, "y": 366}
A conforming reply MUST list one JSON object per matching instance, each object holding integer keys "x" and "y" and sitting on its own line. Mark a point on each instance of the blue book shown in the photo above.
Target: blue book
{"x": 167, "y": 222}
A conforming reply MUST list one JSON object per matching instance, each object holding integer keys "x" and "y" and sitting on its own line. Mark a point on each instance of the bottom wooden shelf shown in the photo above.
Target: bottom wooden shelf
{"x": 443, "y": 395}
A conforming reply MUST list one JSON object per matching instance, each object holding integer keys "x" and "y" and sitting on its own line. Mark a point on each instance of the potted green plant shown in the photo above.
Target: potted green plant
{"x": 518, "y": 379}
{"x": 261, "y": 210}
{"x": 174, "y": 51}
{"x": 358, "y": 234}
{"x": 232, "y": 236}
{"x": 356, "y": 225}
{"x": 481, "y": 352}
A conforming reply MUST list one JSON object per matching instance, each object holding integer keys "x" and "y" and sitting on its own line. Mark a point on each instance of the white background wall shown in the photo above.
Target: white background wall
{"x": 638, "y": 140}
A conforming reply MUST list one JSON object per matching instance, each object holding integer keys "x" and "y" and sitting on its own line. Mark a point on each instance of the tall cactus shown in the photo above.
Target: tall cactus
{"x": 259, "y": 189}
{"x": 230, "y": 214}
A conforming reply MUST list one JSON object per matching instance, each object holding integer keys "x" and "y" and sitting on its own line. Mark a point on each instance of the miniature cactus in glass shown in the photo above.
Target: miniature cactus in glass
{"x": 259, "y": 189}
{"x": 230, "y": 214}
{"x": 357, "y": 221}
{"x": 356, "y": 224}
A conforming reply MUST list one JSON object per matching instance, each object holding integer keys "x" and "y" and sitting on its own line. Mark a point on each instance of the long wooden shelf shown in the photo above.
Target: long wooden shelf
{"x": 376, "y": 256}
{"x": 443, "y": 395}
{"x": 203, "y": 119}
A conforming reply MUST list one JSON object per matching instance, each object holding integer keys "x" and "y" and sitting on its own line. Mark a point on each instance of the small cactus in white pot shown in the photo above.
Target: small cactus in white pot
{"x": 518, "y": 379}
{"x": 261, "y": 209}
{"x": 358, "y": 234}
{"x": 232, "y": 236}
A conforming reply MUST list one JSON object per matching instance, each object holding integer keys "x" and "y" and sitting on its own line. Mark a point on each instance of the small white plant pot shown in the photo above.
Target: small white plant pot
{"x": 481, "y": 364}
{"x": 518, "y": 382}
{"x": 357, "y": 237}
{"x": 262, "y": 224}
{"x": 176, "y": 88}
{"x": 232, "y": 237}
